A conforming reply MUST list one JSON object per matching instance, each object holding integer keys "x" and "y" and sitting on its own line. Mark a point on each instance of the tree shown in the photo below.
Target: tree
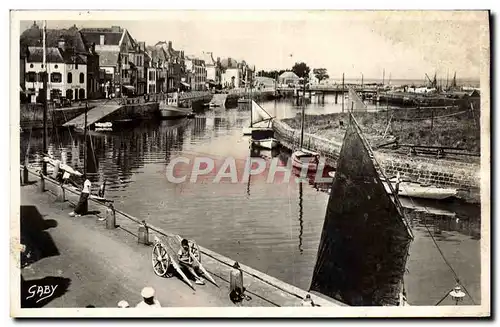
{"x": 320, "y": 74}
{"x": 301, "y": 69}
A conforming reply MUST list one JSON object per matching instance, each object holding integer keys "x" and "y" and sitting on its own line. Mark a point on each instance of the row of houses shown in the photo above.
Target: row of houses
{"x": 92, "y": 63}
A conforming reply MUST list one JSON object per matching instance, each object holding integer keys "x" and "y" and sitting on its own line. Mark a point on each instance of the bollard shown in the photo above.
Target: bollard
{"x": 41, "y": 185}
{"x": 25, "y": 179}
{"x": 60, "y": 196}
{"x": 143, "y": 234}
{"x": 110, "y": 217}
{"x": 56, "y": 169}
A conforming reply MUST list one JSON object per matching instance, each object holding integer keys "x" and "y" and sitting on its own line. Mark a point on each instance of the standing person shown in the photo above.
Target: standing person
{"x": 82, "y": 206}
{"x": 148, "y": 299}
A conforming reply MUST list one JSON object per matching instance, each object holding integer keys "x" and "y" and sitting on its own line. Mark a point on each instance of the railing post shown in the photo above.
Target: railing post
{"x": 41, "y": 185}
{"x": 25, "y": 175}
{"x": 61, "y": 196}
{"x": 143, "y": 234}
{"x": 110, "y": 217}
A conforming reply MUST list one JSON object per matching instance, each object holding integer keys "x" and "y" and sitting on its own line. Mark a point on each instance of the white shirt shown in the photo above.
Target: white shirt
{"x": 86, "y": 186}
{"x": 143, "y": 304}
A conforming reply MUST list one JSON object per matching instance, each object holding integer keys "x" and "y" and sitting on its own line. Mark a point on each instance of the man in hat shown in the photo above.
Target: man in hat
{"x": 123, "y": 304}
{"x": 148, "y": 299}
{"x": 307, "y": 302}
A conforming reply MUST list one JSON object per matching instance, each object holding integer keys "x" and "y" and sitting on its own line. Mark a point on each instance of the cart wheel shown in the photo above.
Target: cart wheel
{"x": 160, "y": 260}
{"x": 195, "y": 250}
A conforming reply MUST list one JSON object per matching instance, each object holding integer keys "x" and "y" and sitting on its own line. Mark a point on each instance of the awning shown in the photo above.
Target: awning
{"x": 129, "y": 87}
{"x": 185, "y": 84}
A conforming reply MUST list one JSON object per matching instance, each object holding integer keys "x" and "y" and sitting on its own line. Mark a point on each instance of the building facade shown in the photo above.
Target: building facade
{"x": 196, "y": 73}
{"x": 118, "y": 54}
{"x": 69, "y": 60}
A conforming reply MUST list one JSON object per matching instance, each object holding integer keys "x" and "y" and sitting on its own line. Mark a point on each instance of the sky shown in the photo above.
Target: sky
{"x": 406, "y": 44}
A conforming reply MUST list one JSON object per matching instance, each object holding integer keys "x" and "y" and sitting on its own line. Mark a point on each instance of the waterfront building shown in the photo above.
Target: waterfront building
{"x": 72, "y": 64}
{"x": 288, "y": 78}
{"x": 116, "y": 49}
{"x": 231, "y": 73}
{"x": 158, "y": 69}
{"x": 176, "y": 69}
{"x": 212, "y": 68}
{"x": 151, "y": 73}
{"x": 196, "y": 73}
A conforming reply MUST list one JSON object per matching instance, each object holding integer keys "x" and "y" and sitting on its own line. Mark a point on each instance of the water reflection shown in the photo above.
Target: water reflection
{"x": 273, "y": 227}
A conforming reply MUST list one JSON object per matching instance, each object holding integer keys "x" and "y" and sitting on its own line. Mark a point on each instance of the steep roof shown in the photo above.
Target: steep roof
{"x": 289, "y": 75}
{"x": 228, "y": 63}
{"x": 208, "y": 58}
{"x": 111, "y": 36}
{"x": 54, "y": 55}
{"x": 72, "y": 37}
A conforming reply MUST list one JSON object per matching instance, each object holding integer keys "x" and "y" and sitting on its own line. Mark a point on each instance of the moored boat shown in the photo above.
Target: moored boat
{"x": 260, "y": 136}
{"x": 416, "y": 190}
{"x": 171, "y": 110}
{"x": 304, "y": 158}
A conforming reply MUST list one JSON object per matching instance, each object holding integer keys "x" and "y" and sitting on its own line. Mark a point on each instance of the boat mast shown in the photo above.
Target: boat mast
{"x": 343, "y": 86}
{"x": 45, "y": 94}
{"x": 303, "y": 115}
{"x": 251, "y": 106}
{"x": 85, "y": 141}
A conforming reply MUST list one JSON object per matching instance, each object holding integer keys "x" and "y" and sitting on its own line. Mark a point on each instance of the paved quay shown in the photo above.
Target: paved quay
{"x": 100, "y": 267}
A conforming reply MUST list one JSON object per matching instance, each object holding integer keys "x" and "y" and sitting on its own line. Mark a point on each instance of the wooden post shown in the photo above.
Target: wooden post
{"x": 143, "y": 234}
{"x": 41, "y": 185}
{"x": 343, "y": 92}
{"x": 110, "y": 217}
{"x": 432, "y": 118}
{"x": 336, "y": 97}
{"x": 25, "y": 175}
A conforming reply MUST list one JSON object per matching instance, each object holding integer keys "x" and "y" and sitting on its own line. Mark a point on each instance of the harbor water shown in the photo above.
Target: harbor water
{"x": 272, "y": 227}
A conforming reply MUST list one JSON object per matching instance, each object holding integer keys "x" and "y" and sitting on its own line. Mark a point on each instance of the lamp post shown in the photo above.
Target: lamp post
{"x": 457, "y": 295}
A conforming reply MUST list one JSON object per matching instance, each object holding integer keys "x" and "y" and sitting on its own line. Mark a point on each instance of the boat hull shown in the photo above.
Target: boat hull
{"x": 270, "y": 143}
{"x": 302, "y": 159}
{"x": 413, "y": 190}
{"x": 174, "y": 112}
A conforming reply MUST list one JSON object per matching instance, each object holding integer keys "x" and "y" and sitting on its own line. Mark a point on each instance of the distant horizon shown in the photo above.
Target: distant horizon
{"x": 406, "y": 45}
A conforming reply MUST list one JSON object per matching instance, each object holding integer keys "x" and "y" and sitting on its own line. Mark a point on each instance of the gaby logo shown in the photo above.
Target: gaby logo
{"x": 204, "y": 169}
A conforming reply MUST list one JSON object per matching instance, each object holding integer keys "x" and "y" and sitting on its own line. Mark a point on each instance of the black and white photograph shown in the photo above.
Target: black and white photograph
{"x": 272, "y": 163}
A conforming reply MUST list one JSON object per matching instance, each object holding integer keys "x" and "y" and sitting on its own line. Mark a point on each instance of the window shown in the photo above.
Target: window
{"x": 76, "y": 66}
{"x": 81, "y": 93}
{"x": 126, "y": 60}
{"x": 56, "y": 66}
{"x": 82, "y": 78}
{"x": 69, "y": 94}
{"x": 31, "y": 77}
{"x": 31, "y": 66}
{"x": 70, "y": 78}
{"x": 56, "y": 77}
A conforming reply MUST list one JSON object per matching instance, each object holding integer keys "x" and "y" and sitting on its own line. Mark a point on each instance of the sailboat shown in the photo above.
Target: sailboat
{"x": 303, "y": 158}
{"x": 365, "y": 240}
{"x": 262, "y": 137}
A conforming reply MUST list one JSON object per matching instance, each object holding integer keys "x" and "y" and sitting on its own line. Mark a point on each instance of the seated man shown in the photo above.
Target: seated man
{"x": 187, "y": 261}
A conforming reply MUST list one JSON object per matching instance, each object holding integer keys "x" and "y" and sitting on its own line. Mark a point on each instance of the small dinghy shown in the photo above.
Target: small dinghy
{"x": 416, "y": 190}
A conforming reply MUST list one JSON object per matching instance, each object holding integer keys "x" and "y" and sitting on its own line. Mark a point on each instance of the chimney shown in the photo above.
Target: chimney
{"x": 61, "y": 44}
{"x": 170, "y": 44}
{"x": 101, "y": 40}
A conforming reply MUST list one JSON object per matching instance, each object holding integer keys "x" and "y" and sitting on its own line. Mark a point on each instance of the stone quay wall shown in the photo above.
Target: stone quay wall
{"x": 464, "y": 175}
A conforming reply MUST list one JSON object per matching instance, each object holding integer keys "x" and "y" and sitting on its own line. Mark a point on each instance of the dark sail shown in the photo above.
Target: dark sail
{"x": 365, "y": 239}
